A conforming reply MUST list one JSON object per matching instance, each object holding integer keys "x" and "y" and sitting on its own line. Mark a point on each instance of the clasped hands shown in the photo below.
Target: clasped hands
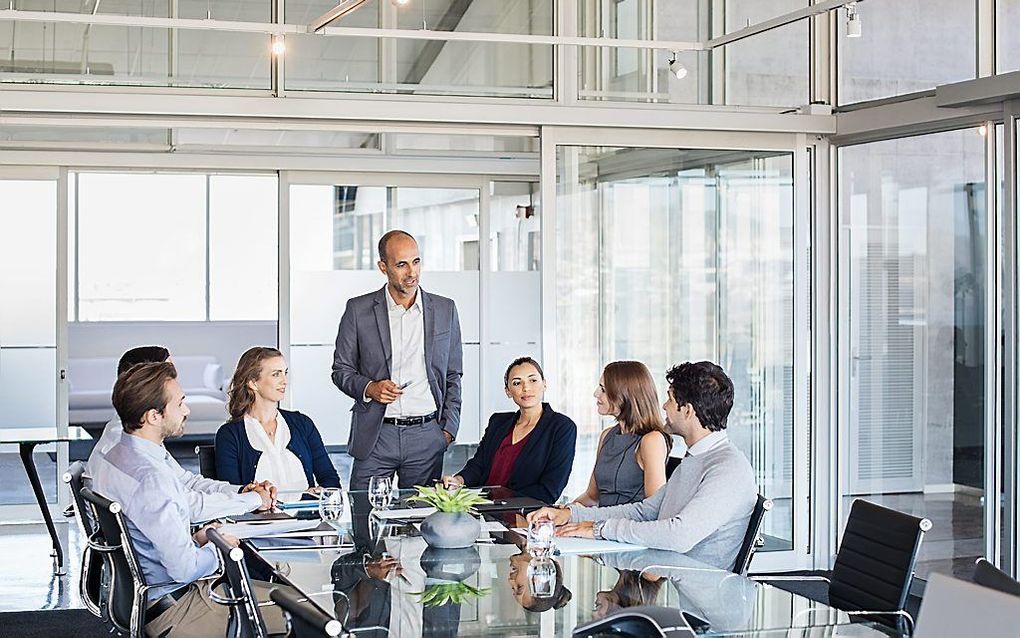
{"x": 560, "y": 517}
{"x": 264, "y": 489}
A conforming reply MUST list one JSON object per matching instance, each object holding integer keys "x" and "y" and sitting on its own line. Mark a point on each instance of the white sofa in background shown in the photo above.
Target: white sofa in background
{"x": 90, "y": 383}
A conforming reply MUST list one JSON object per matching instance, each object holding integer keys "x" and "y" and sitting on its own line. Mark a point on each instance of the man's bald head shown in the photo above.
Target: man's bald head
{"x": 384, "y": 241}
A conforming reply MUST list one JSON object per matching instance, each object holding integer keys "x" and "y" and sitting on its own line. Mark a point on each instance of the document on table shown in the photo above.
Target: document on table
{"x": 404, "y": 514}
{"x": 275, "y": 528}
{"x": 571, "y": 545}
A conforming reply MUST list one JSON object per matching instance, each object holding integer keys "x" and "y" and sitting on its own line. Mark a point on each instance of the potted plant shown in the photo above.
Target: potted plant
{"x": 452, "y": 525}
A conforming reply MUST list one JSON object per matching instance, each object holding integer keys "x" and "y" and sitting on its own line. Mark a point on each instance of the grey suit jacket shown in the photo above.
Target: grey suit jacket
{"x": 363, "y": 354}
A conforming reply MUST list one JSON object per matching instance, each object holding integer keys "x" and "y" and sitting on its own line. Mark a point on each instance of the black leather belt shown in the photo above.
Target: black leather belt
{"x": 410, "y": 420}
{"x": 163, "y": 603}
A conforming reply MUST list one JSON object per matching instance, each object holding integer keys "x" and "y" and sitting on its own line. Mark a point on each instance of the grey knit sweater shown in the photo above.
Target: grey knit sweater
{"x": 702, "y": 511}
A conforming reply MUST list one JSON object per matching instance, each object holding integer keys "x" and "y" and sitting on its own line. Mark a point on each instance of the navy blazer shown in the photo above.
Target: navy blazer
{"x": 236, "y": 459}
{"x": 543, "y": 467}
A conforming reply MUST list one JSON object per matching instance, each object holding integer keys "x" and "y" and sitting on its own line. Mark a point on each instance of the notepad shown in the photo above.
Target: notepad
{"x": 404, "y": 514}
{"x": 255, "y": 530}
{"x": 570, "y": 545}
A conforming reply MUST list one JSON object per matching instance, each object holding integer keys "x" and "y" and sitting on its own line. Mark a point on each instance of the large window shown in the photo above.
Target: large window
{"x": 173, "y": 247}
{"x": 907, "y": 46}
{"x": 689, "y": 260}
{"x": 914, "y": 227}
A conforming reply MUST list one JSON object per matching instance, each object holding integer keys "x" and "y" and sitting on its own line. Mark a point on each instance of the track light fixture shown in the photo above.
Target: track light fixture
{"x": 278, "y": 47}
{"x": 676, "y": 68}
{"x": 853, "y": 21}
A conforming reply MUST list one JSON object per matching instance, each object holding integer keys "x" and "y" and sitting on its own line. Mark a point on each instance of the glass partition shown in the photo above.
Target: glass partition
{"x": 913, "y": 220}
{"x": 671, "y": 255}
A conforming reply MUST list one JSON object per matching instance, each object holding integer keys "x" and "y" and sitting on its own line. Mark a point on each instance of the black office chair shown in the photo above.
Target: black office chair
{"x": 752, "y": 538}
{"x": 988, "y": 575}
{"x": 672, "y": 462}
{"x": 207, "y": 461}
{"x": 874, "y": 565}
{"x": 245, "y": 617}
{"x": 90, "y": 583}
{"x": 126, "y": 596}
{"x": 305, "y": 620}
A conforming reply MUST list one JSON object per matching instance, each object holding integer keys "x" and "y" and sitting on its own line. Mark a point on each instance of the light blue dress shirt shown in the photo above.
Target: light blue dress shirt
{"x": 141, "y": 476}
{"x": 207, "y": 499}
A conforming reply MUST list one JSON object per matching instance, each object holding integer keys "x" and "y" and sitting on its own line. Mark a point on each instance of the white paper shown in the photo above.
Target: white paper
{"x": 493, "y": 526}
{"x": 412, "y": 512}
{"x": 274, "y": 528}
{"x": 572, "y": 545}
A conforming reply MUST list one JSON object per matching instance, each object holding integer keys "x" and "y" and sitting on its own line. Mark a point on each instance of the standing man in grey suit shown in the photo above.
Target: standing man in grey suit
{"x": 399, "y": 356}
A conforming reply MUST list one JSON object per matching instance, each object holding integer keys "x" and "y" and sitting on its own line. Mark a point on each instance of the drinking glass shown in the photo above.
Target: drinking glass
{"x": 542, "y": 577}
{"x": 540, "y": 538}
{"x": 331, "y": 505}
{"x": 380, "y": 491}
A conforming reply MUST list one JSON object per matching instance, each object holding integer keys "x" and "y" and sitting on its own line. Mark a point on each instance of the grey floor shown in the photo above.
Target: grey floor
{"x": 952, "y": 546}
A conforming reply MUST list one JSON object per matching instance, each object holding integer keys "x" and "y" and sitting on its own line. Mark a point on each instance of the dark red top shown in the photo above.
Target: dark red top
{"x": 503, "y": 461}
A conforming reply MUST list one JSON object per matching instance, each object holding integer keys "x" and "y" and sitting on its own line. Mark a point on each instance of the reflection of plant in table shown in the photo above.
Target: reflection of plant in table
{"x": 457, "y": 593}
{"x": 461, "y": 499}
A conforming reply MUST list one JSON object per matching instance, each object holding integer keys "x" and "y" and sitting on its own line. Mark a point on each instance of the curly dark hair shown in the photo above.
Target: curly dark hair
{"x": 706, "y": 388}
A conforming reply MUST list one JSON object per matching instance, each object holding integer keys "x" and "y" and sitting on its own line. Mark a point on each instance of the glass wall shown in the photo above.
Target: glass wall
{"x": 329, "y": 63}
{"x": 907, "y": 46}
{"x": 670, "y": 255}
{"x": 913, "y": 230}
{"x": 1007, "y": 23}
{"x": 28, "y": 323}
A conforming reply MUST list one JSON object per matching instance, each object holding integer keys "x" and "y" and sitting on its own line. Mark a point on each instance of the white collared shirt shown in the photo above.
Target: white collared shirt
{"x": 277, "y": 464}
{"x": 709, "y": 442}
{"x": 407, "y": 342}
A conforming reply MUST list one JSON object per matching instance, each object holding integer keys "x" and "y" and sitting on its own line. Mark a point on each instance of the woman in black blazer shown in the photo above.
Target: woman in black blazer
{"x": 530, "y": 451}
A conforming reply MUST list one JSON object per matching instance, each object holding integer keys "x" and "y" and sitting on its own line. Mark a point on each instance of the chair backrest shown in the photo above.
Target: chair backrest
{"x": 90, "y": 585}
{"x": 126, "y": 600}
{"x": 672, "y": 462}
{"x": 988, "y": 575}
{"x": 752, "y": 538}
{"x": 305, "y": 619}
{"x": 952, "y": 607}
{"x": 875, "y": 562}
{"x": 207, "y": 461}
{"x": 245, "y": 617}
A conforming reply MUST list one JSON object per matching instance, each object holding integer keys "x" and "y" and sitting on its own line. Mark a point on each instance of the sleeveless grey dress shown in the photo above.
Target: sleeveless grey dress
{"x": 617, "y": 474}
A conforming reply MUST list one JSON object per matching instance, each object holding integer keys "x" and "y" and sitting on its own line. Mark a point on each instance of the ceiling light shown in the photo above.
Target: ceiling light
{"x": 853, "y": 21}
{"x": 677, "y": 69}
{"x": 982, "y": 130}
{"x": 278, "y": 47}
{"x": 400, "y": 3}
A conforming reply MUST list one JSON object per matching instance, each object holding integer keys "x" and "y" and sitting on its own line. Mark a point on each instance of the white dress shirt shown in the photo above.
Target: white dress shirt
{"x": 407, "y": 343}
{"x": 207, "y": 499}
{"x": 277, "y": 464}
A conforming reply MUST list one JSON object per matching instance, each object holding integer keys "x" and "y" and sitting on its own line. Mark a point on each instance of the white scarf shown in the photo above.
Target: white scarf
{"x": 278, "y": 465}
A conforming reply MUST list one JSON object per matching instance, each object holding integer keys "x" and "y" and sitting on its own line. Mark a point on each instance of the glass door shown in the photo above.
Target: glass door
{"x": 685, "y": 253}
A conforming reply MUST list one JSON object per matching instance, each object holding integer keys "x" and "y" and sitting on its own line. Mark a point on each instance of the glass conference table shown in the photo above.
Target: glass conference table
{"x": 380, "y": 578}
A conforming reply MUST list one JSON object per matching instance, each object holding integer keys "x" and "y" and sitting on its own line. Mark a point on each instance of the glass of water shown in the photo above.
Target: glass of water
{"x": 331, "y": 505}
{"x": 380, "y": 491}
{"x": 541, "y": 535}
{"x": 542, "y": 577}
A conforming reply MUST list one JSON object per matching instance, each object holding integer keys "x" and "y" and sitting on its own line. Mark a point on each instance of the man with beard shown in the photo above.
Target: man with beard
{"x": 399, "y": 356}
{"x": 138, "y": 473}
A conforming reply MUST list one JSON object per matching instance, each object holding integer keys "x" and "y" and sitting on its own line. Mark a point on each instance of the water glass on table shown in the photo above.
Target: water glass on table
{"x": 542, "y": 577}
{"x": 380, "y": 491}
{"x": 541, "y": 535}
{"x": 331, "y": 505}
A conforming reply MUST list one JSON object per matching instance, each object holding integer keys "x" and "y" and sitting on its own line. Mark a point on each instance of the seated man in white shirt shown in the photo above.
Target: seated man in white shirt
{"x": 705, "y": 506}
{"x": 139, "y": 474}
{"x": 207, "y": 499}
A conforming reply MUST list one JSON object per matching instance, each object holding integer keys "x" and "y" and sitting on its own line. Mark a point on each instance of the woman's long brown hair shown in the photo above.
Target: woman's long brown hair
{"x": 630, "y": 386}
{"x": 249, "y": 367}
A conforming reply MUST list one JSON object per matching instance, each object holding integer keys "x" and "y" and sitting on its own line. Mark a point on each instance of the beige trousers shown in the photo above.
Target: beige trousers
{"x": 197, "y": 616}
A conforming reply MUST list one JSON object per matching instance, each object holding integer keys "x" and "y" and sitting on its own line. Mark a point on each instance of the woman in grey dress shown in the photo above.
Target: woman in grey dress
{"x": 630, "y": 464}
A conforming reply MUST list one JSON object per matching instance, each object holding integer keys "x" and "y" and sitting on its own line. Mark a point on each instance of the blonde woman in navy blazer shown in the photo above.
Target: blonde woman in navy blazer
{"x": 530, "y": 451}
{"x": 263, "y": 442}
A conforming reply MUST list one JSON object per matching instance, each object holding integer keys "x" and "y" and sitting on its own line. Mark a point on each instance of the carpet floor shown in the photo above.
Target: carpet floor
{"x": 62, "y": 623}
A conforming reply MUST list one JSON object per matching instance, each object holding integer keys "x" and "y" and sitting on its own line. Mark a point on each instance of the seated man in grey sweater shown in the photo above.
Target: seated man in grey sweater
{"x": 704, "y": 508}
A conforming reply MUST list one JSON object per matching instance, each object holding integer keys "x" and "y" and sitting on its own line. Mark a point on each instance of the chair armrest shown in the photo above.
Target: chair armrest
{"x": 220, "y": 599}
{"x": 101, "y": 547}
{"x": 898, "y": 612}
{"x": 764, "y": 578}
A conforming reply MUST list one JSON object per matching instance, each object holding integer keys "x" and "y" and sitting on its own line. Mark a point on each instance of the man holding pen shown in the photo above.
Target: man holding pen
{"x": 398, "y": 355}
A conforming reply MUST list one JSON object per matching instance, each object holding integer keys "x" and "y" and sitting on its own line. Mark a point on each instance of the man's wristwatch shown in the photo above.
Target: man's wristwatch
{"x": 596, "y": 529}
